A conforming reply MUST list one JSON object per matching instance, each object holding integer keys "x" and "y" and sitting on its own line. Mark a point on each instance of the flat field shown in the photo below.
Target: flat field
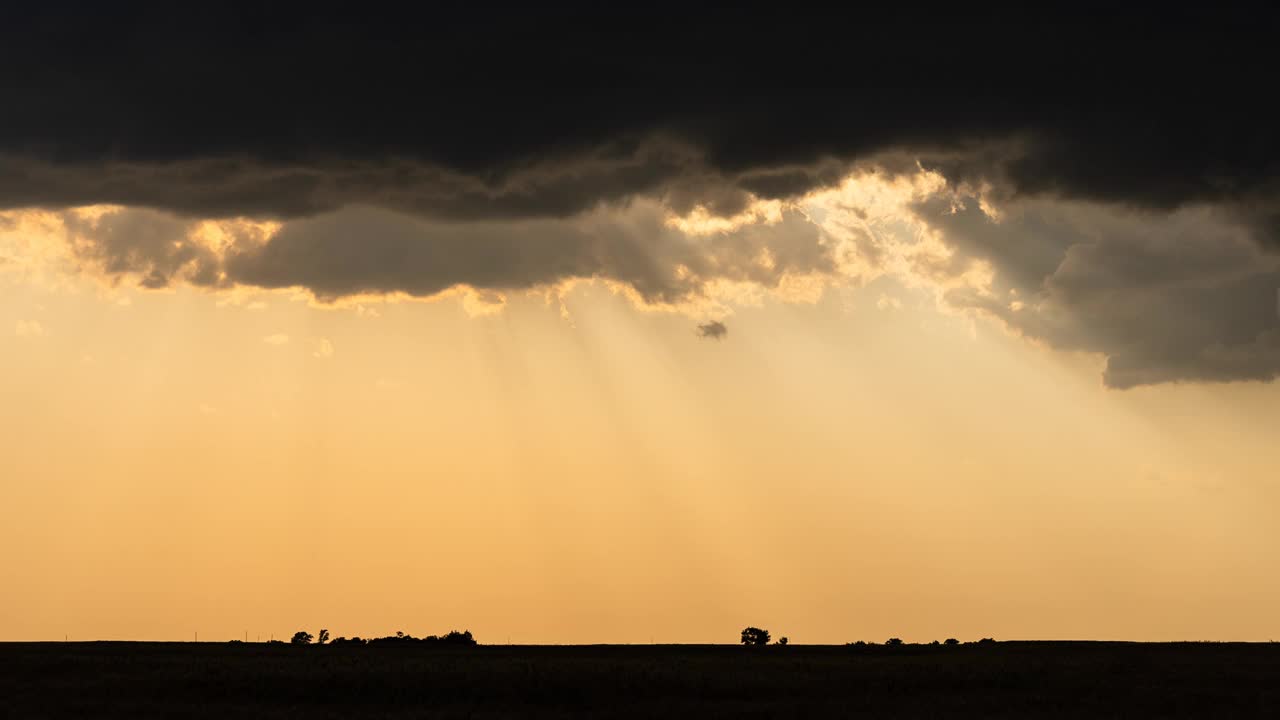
{"x": 1003, "y": 680}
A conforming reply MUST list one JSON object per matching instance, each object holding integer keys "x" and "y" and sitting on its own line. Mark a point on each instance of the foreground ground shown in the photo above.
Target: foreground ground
{"x": 1096, "y": 680}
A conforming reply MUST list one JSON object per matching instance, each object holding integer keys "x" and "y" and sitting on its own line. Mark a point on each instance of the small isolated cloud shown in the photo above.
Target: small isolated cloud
{"x": 714, "y": 330}
{"x": 277, "y": 339}
{"x": 28, "y": 328}
{"x": 324, "y": 349}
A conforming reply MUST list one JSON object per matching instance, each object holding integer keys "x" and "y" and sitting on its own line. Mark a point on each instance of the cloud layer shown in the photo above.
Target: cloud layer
{"x": 1109, "y": 187}
{"x": 369, "y": 251}
{"x": 511, "y": 112}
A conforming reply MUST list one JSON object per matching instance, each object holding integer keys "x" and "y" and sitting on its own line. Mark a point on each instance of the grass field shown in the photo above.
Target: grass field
{"x": 1012, "y": 680}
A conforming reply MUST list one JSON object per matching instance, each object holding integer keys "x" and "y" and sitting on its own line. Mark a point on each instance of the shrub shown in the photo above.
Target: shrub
{"x": 893, "y": 642}
{"x": 302, "y": 637}
{"x": 455, "y": 638}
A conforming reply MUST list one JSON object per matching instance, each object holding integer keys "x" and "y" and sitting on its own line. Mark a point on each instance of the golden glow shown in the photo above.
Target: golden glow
{"x": 850, "y": 463}
{"x": 702, "y": 222}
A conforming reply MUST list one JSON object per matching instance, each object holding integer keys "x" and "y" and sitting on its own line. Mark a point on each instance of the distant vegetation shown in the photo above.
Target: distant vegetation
{"x": 452, "y": 638}
{"x": 751, "y": 636}
{"x": 759, "y": 636}
{"x": 894, "y": 642}
{"x": 755, "y": 637}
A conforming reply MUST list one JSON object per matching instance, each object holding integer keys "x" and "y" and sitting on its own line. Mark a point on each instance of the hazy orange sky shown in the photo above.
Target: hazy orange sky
{"x": 860, "y": 457}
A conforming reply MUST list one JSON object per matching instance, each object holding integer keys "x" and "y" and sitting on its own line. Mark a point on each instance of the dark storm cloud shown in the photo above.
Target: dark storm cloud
{"x": 151, "y": 245}
{"x": 493, "y": 111}
{"x": 365, "y": 250}
{"x": 714, "y": 330}
{"x": 511, "y": 147}
{"x": 1166, "y": 297}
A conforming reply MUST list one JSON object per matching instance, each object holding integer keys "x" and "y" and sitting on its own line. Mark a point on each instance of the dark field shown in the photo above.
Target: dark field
{"x": 1096, "y": 680}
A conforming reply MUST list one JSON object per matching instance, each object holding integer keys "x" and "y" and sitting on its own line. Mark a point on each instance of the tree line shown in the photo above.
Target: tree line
{"x": 452, "y": 638}
{"x": 754, "y": 636}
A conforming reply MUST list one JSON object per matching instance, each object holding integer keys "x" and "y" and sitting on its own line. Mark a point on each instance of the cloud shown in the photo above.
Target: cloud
{"x": 324, "y": 349}
{"x": 714, "y": 330}
{"x": 276, "y": 339}
{"x": 1123, "y": 201}
{"x": 1187, "y": 295}
{"x": 29, "y": 328}
{"x": 709, "y": 110}
{"x": 1164, "y": 296}
{"x": 152, "y": 245}
{"x": 364, "y": 250}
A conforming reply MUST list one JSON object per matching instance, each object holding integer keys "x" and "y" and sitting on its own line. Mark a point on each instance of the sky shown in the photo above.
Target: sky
{"x": 537, "y": 330}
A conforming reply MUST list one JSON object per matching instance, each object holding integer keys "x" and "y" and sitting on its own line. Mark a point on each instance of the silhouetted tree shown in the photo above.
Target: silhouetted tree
{"x": 782, "y": 640}
{"x": 324, "y": 637}
{"x": 935, "y": 642}
{"x": 302, "y": 637}
{"x": 755, "y": 636}
{"x": 951, "y": 641}
{"x": 893, "y": 642}
{"x": 347, "y": 641}
{"x": 986, "y": 641}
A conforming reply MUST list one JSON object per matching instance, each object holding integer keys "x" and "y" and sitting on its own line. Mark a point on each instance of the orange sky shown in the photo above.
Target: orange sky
{"x": 851, "y": 462}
